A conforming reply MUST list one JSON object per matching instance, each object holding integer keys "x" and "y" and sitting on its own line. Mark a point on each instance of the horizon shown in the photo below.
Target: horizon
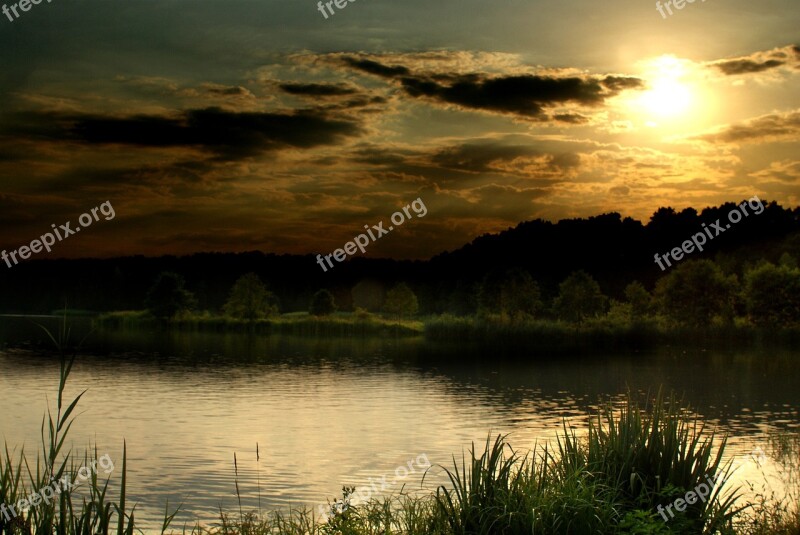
{"x": 54, "y": 257}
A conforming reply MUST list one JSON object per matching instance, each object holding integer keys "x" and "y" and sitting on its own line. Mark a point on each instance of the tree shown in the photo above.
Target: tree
{"x": 250, "y": 300}
{"x": 772, "y": 295}
{"x": 367, "y": 294}
{"x": 579, "y": 297}
{"x": 695, "y": 292}
{"x": 168, "y": 296}
{"x": 511, "y": 292}
{"x": 639, "y": 300}
{"x": 401, "y": 301}
{"x": 322, "y": 304}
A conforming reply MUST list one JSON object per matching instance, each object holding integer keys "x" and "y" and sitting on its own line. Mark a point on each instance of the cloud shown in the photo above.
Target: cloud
{"x": 743, "y": 66}
{"x": 571, "y": 118}
{"x": 758, "y": 61}
{"x": 785, "y": 172}
{"x": 524, "y": 95}
{"x": 229, "y": 135}
{"x": 481, "y": 156}
{"x": 317, "y": 90}
{"x": 771, "y": 127}
{"x": 228, "y": 91}
{"x": 619, "y": 190}
{"x": 378, "y": 69}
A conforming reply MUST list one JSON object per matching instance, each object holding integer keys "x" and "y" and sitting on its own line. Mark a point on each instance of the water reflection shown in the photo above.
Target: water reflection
{"x": 328, "y": 412}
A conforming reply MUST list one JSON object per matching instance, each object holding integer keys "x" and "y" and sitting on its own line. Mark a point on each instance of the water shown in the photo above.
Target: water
{"x": 329, "y": 412}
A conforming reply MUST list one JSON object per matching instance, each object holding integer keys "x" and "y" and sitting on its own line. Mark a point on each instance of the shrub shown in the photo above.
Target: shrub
{"x": 322, "y": 304}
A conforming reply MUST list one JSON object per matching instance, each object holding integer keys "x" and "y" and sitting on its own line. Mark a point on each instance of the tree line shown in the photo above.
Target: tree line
{"x": 697, "y": 292}
{"x": 518, "y": 271}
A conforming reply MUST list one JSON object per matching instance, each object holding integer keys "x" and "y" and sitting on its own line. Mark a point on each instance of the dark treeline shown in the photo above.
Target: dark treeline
{"x": 615, "y": 251}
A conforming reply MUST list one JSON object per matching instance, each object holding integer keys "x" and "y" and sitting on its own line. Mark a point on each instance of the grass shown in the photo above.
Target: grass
{"x": 613, "y": 480}
{"x": 494, "y": 332}
{"x": 336, "y": 325}
{"x": 66, "y": 512}
{"x": 526, "y": 334}
{"x": 776, "y": 512}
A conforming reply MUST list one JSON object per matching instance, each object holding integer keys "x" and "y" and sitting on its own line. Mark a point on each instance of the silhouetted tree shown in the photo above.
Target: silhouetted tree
{"x": 579, "y": 297}
{"x": 639, "y": 299}
{"x": 462, "y": 300}
{"x": 401, "y": 301}
{"x": 168, "y": 296}
{"x": 368, "y": 294}
{"x": 772, "y": 295}
{"x": 788, "y": 261}
{"x": 322, "y": 304}
{"x": 250, "y": 300}
{"x": 512, "y": 292}
{"x": 695, "y": 292}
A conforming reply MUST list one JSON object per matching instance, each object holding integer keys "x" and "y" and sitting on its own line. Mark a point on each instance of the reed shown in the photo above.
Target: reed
{"x": 69, "y": 513}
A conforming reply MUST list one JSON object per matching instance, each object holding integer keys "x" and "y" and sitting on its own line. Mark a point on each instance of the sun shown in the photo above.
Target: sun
{"x": 670, "y": 97}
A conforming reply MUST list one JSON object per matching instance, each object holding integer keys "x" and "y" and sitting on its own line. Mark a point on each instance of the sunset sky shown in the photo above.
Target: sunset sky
{"x": 260, "y": 125}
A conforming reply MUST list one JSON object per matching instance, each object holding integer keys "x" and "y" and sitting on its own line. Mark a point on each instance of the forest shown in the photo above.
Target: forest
{"x": 575, "y": 270}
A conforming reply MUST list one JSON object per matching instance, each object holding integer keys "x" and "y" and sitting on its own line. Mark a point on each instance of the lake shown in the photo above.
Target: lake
{"x": 328, "y": 412}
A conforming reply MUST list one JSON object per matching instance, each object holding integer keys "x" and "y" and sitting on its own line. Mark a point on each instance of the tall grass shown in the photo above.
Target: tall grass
{"x": 612, "y": 480}
{"x": 776, "y": 511}
{"x": 632, "y": 460}
{"x": 68, "y": 513}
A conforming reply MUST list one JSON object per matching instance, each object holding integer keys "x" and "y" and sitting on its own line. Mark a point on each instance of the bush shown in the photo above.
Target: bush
{"x": 250, "y": 300}
{"x": 579, "y": 298}
{"x": 168, "y": 296}
{"x": 322, "y": 304}
{"x": 401, "y": 301}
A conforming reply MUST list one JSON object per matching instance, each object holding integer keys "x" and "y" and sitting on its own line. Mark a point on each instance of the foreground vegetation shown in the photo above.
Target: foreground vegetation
{"x": 634, "y": 463}
{"x": 634, "y": 459}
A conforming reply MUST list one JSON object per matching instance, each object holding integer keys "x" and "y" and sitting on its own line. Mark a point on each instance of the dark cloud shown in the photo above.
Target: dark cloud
{"x": 620, "y": 83}
{"x": 767, "y": 127}
{"x": 318, "y": 90}
{"x": 745, "y": 66}
{"x": 760, "y": 61}
{"x": 479, "y": 156}
{"x": 230, "y": 91}
{"x": 378, "y": 69}
{"x": 524, "y": 95}
{"x": 227, "y": 134}
{"x": 572, "y": 118}
{"x": 484, "y": 156}
{"x": 565, "y": 160}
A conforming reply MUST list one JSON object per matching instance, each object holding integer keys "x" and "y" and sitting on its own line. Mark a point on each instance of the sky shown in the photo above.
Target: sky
{"x": 243, "y": 125}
